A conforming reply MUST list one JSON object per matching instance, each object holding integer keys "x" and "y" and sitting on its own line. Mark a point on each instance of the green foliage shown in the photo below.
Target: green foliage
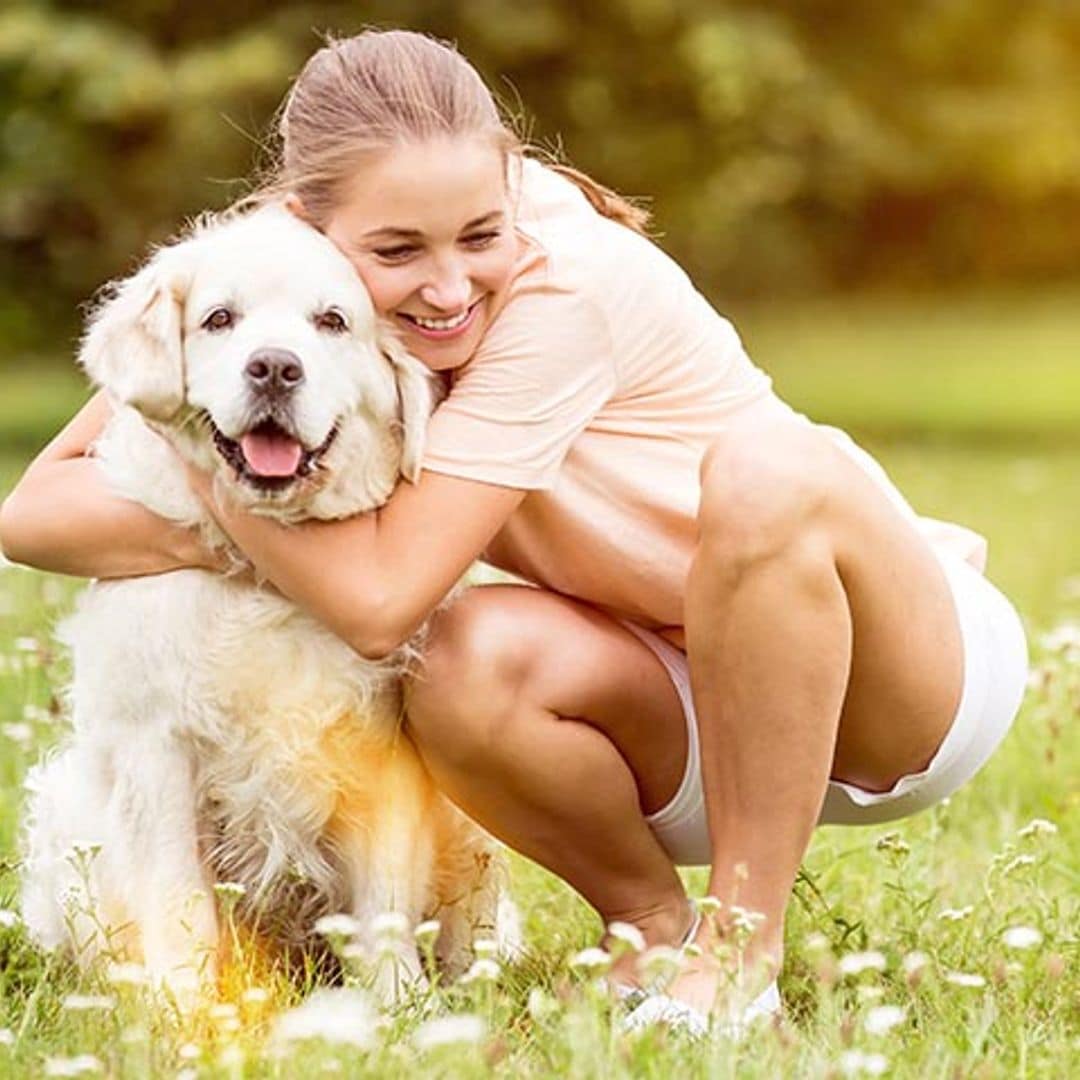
{"x": 785, "y": 144}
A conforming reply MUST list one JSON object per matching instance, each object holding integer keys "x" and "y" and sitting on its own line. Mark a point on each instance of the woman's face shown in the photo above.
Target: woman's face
{"x": 428, "y": 227}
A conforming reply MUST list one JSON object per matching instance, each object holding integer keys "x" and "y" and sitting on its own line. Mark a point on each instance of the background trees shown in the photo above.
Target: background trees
{"x": 786, "y": 144}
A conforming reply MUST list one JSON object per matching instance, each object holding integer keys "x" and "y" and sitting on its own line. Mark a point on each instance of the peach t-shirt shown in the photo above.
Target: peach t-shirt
{"x": 598, "y": 386}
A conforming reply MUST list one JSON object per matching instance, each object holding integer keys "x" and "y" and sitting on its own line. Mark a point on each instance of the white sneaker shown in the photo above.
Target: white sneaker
{"x": 662, "y": 1009}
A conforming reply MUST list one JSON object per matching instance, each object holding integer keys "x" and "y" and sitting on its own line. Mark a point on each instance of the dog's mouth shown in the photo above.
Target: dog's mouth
{"x": 269, "y": 457}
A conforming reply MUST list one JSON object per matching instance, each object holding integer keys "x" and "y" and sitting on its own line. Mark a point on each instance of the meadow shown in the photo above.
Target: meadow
{"x": 941, "y": 946}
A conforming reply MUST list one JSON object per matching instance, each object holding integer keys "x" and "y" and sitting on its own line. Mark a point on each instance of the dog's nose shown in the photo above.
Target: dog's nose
{"x": 274, "y": 370}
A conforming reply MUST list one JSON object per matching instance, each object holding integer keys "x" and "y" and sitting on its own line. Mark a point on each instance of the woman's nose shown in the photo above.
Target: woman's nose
{"x": 449, "y": 288}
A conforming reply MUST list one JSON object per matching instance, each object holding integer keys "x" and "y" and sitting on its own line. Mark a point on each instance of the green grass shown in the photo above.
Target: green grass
{"x": 982, "y": 367}
{"x": 888, "y": 889}
{"x": 1011, "y": 473}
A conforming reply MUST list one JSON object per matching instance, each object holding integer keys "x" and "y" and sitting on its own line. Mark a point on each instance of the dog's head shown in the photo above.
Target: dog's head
{"x": 254, "y": 347}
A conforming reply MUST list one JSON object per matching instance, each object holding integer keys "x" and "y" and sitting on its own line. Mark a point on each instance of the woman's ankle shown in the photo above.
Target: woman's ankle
{"x": 665, "y": 924}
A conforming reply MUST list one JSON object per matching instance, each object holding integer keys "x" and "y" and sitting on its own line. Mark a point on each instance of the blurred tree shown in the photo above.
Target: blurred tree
{"x": 786, "y": 143}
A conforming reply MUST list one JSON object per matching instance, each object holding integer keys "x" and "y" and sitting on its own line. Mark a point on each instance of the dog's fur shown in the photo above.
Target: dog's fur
{"x": 219, "y": 733}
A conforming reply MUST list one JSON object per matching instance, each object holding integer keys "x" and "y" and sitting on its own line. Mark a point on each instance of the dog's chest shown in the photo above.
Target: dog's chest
{"x": 281, "y": 718}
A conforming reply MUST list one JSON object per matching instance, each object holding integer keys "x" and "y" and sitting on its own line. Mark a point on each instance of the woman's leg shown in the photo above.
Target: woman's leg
{"x": 557, "y": 729}
{"x": 822, "y": 640}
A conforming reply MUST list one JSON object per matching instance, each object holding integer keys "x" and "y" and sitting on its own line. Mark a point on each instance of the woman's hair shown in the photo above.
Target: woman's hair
{"x": 362, "y": 95}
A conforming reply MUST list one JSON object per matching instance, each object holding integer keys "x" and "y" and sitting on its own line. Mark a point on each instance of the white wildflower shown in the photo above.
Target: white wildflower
{"x": 88, "y": 1002}
{"x": 1063, "y": 638}
{"x": 883, "y": 1018}
{"x": 627, "y": 934}
{"x": 914, "y": 962}
{"x": 857, "y": 1063}
{"x": 338, "y": 1016}
{"x": 427, "y": 932}
{"x": 127, "y": 974}
{"x": 817, "y": 942}
{"x": 591, "y": 961}
{"x": 26, "y": 645}
{"x": 963, "y": 978}
{"x": 541, "y": 1004}
{"x": 485, "y": 946}
{"x": 255, "y": 995}
{"x": 871, "y": 993}
{"x": 708, "y": 905}
{"x": 18, "y": 732}
{"x": 340, "y": 925}
{"x": 1038, "y": 827}
{"x": 858, "y": 962}
{"x": 1017, "y": 862}
{"x": 746, "y": 920}
{"x": 72, "y": 1066}
{"x": 7, "y": 1037}
{"x": 956, "y": 914}
{"x": 231, "y": 1056}
{"x": 483, "y": 970}
{"x": 893, "y": 843}
{"x": 189, "y": 1052}
{"x": 230, "y": 890}
{"x": 1022, "y": 937}
{"x": 8, "y": 918}
{"x": 444, "y": 1030}
{"x": 223, "y": 1010}
{"x": 390, "y": 924}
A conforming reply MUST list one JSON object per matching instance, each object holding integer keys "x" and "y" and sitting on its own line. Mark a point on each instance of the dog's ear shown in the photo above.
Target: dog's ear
{"x": 133, "y": 346}
{"x": 417, "y": 393}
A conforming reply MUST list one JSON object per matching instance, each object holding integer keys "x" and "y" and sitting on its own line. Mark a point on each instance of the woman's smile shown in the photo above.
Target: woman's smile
{"x": 442, "y": 328}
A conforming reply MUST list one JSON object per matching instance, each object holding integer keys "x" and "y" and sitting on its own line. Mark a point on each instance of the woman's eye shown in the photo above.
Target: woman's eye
{"x": 396, "y": 254}
{"x": 332, "y": 321}
{"x": 219, "y": 319}
{"x": 481, "y": 240}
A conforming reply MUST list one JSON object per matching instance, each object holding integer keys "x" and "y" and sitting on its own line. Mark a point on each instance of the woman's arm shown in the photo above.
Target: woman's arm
{"x": 62, "y": 517}
{"x": 373, "y": 579}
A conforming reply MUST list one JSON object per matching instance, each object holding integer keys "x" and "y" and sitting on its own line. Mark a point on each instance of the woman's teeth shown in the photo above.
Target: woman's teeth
{"x": 441, "y": 324}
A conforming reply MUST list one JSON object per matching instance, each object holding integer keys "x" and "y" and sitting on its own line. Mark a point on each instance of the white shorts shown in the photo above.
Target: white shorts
{"x": 995, "y": 675}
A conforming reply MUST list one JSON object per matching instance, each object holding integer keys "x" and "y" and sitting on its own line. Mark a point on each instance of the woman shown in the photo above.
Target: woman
{"x": 741, "y": 627}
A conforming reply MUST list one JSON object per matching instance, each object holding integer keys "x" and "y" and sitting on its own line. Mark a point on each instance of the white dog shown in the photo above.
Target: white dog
{"x": 220, "y": 734}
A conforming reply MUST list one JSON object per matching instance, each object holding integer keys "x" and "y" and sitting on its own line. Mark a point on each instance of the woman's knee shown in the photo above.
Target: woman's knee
{"x": 766, "y": 497}
{"x": 475, "y": 662}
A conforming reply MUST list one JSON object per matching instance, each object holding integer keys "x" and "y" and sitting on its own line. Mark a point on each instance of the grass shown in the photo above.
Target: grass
{"x": 985, "y": 368}
{"x": 945, "y": 885}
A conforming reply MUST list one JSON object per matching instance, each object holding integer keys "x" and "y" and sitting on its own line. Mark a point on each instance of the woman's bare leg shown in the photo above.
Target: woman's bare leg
{"x": 822, "y": 641}
{"x": 557, "y": 729}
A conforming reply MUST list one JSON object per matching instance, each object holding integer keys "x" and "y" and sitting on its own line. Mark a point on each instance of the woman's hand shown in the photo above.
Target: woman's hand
{"x": 62, "y": 517}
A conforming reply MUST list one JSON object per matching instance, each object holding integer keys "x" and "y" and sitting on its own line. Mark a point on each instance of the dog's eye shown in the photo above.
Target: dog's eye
{"x": 219, "y": 319}
{"x": 332, "y": 321}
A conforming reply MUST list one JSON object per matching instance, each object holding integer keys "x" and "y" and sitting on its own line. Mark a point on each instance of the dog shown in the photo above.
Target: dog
{"x": 219, "y": 733}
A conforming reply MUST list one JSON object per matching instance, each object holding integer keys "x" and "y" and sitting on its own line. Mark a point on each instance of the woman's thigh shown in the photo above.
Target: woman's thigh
{"x": 907, "y": 660}
{"x": 787, "y": 499}
{"x": 497, "y": 646}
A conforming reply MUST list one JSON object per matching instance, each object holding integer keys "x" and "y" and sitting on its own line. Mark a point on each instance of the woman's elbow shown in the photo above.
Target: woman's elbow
{"x": 15, "y": 538}
{"x": 376, "y": 631}
{"x": 375, "y": 643}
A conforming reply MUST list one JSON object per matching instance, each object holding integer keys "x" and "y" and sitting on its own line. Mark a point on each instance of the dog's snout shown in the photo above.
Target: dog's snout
{"x": 274, "y": 370}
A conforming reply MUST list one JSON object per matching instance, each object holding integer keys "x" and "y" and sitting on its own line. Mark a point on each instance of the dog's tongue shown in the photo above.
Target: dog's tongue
{"x": 271, "y": 453}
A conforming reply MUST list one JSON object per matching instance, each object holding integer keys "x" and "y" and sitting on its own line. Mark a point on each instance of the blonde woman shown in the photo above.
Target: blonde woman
{"x": 741, "y": 629}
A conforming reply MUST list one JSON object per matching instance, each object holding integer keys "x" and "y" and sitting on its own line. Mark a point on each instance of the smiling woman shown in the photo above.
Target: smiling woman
{"x": 429, "y": 229}
{"x": 740, "y": 627}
